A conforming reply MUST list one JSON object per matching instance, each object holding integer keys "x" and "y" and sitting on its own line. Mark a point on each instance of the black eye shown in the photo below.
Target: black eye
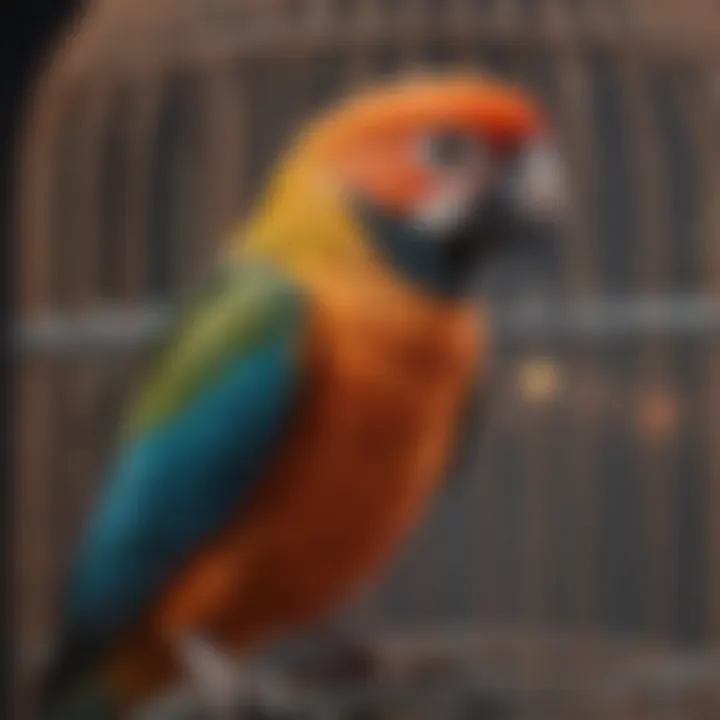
{"x": 448, "y": 149}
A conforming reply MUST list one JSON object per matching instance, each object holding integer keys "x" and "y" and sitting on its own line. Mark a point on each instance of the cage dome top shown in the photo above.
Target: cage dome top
{"x": 125, "y": 36}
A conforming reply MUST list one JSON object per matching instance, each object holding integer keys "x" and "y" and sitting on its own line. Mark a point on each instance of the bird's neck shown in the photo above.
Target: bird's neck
{"x": 302, "y": 225}
{"x": 307, "y": 228}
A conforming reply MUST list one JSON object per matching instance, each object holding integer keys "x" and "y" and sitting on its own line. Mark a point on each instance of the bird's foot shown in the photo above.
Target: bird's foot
{"x": 229, "y": 689}
{"x": 270, "y": 696}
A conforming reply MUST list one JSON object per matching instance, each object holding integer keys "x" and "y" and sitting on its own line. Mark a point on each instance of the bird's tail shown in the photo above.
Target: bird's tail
{"x": 73, "y": 690}
{"x": 90, "y": 702}
{"x": 78, "y": 686}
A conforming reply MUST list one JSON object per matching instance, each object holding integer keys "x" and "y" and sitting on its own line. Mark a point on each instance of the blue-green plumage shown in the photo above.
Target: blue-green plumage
{"x": 214, "y": 405}
{"x": 179, "y": 482}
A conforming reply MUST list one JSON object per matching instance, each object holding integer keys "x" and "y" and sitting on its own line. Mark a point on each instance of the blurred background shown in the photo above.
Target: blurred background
{"x": 571, "y": 568}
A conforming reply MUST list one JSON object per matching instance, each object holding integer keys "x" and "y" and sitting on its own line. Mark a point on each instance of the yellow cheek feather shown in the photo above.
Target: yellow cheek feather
{"x": 303, "y": 225}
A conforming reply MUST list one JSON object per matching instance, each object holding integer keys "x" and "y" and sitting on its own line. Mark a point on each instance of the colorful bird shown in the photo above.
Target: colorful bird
{"x": 305, "y": 405}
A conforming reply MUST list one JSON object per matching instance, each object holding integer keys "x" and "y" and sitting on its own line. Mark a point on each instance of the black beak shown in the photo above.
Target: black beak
{"x": 521, "y": 215}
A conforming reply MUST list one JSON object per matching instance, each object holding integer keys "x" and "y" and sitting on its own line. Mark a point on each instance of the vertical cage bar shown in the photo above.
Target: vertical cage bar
{"x": 141, "y": 129}
{"x": 703, "y": 106}
{"x": 575, "y": 130}
{"x": 650, "y": 271}
{"x": 224, "y": 135}
{"x": 31, "y": 523}
{"x": 74, "y": 382}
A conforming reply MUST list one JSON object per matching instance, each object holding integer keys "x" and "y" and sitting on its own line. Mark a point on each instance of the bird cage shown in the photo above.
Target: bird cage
{"x": 592, "y": 499}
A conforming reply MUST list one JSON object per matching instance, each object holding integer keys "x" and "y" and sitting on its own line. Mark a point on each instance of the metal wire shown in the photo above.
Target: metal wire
{"x": 466, "y": 682}
{"x": 111, "y": 330}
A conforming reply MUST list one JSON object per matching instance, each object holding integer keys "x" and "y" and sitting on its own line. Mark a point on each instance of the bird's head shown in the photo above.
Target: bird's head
{"x": 428, "y": 175}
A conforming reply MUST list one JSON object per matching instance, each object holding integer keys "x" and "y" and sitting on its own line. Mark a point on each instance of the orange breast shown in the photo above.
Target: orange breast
{"x": 386, "y": 376}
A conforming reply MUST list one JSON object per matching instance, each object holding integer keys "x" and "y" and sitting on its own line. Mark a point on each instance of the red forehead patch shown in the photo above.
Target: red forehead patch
{"x": 499, "y": 111}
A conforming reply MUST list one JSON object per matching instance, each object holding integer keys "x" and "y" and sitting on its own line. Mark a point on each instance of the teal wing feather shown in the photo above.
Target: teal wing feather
{"x": 211, "y": 411}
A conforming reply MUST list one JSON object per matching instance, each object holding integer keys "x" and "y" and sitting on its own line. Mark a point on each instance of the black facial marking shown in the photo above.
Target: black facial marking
{"x": 448, "y": 262}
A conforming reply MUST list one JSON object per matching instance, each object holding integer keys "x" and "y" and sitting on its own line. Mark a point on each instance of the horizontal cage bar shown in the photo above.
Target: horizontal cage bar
{"x": 110, "y": 330}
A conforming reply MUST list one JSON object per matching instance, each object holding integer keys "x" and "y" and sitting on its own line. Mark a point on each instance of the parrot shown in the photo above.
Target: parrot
{"x": 305, "y": 402}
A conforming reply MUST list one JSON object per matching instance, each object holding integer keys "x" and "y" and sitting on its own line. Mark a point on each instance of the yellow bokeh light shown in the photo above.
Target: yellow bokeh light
{"x": 539, "y": 380}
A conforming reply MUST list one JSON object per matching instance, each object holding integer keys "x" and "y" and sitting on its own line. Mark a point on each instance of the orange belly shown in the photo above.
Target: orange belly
{"x": 366, "y": 448}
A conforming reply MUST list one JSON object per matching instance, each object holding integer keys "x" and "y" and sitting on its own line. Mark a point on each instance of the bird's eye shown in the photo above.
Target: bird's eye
{"x": 449, "y": 149}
